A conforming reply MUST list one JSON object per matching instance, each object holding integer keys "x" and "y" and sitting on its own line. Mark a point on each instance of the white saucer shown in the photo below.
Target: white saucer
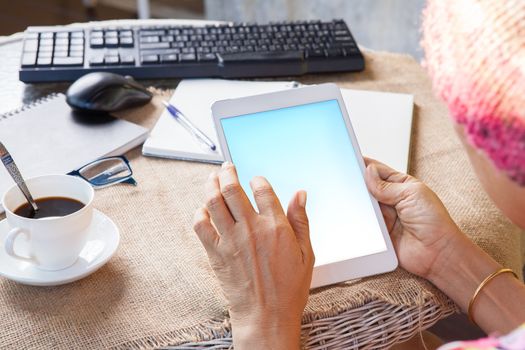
{"x": 102, "y": 242}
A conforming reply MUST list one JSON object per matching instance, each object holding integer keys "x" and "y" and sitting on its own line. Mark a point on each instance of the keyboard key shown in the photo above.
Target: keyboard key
{"x": 76, "y": 48}
{"x": 59, "y": 48}
{"x": 62, "y": 35}
{"x": 77, "y": 41}
{"x": 29, "y": 59}
{"x": 43, "y": 61}
{"x": 125, "y": 33}
{"x": 96, "y": 42}
{"x": 150, "y": 46}
{"x": 111, "y": 34}
{"x": 60, "y": 53}
{"x": 111, "y": 60}
{"x": 61, "y": 41}
{"x": 45, "y": 49}
{"x": 96, "y": 61}
{"x": 46, "y": 42}
{"x": 349, "y": 43}
{"x": 207, "y": 57}
{"x": 254, "y": 57}
{"x": 351, "y": 50}
{"x": 96, "y": 34}
{"x": 203, "y": 50}
{"x": 340, "y": 25}
{"x": 45, "y": 54}
{"x": 146, "y": 32}
{"x": 127, "y": 60}
{"x": 160, "y": 52}
{"x": 68, "y": 61}
{"x": 334, "y": 52}
{"x": 46, "y": 35}
{"x": 149, "y": 59}
{"x": 111, "y": 42}
{"x": 126, "y": 42}
{"x": 77, "y": 34}
{"x": 166, "y": 38}
{"x": 171, "y": 58}
{"x": 76, "y": 53}
{"x": 31, "y": 45}
{"x": 315, "y": 53}
{"x": 187, "y": 57}
{"x": 343, "y": 38}
{"x": 149, "y": 39}
{"x": 201, "y": 30}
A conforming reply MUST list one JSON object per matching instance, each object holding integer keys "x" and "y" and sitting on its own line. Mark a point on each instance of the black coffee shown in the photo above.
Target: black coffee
{"x": 50, "y": 206}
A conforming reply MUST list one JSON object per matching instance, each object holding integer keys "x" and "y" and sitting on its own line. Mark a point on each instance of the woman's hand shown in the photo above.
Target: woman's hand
{"x": 429, "y": 244}
{"x": 421, "y": 228}
{"x": 264, "y": 261}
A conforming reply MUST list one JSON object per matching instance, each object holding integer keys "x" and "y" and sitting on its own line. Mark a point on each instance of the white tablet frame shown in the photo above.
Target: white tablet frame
{"x": 339, "y": 271}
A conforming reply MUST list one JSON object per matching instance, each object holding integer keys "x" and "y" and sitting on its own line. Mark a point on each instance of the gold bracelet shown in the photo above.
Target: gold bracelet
{"x": 483, "y": 284}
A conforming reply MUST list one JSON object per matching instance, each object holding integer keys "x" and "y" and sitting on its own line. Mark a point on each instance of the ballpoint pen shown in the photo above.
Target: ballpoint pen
{"x": 179, "y": 116}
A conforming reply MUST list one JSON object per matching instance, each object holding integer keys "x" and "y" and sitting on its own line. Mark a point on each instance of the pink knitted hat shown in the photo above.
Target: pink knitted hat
{"x": 475, "y": 55}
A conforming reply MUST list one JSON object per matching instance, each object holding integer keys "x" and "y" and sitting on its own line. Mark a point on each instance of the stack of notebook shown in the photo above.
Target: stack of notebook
{"x": 382, "y": 121}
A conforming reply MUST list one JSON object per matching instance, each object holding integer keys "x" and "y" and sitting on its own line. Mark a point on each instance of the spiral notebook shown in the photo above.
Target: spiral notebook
{"x": 48, "y": 137}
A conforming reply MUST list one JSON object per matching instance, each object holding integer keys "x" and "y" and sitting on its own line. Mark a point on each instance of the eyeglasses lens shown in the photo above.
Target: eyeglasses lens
{"x": 106, "y": 171}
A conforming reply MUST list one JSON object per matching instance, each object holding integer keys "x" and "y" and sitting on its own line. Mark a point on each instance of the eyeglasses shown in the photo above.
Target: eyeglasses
{"x": 105, "y": 172}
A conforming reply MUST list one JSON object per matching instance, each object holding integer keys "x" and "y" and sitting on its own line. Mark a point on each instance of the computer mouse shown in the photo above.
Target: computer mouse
{"x": 103, "y": 92}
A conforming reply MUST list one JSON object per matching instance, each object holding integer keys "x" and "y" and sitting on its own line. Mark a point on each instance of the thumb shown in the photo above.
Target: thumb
{"x": 299, "y": 221}
{"x": 386, "y": 192}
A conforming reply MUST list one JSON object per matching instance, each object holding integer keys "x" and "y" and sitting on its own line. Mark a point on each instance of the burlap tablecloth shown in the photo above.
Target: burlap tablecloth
{"x": 159, "y": 289}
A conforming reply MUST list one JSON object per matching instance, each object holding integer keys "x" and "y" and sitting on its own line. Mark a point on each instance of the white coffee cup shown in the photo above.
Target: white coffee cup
{"x": 54, "y": 243}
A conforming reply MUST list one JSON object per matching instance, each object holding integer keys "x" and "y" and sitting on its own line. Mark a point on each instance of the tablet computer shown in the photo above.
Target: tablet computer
{"x": 302, "y": 139}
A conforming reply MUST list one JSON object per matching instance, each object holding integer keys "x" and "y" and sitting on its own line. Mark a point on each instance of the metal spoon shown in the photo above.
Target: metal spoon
{"x": 15, "y": 174}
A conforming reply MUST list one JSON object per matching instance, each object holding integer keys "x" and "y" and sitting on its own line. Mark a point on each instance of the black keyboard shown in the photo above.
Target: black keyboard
{"x": 228, "y": 51}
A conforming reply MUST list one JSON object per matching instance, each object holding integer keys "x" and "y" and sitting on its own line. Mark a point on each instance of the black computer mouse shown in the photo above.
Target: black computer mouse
{"x": 102, "y": 92}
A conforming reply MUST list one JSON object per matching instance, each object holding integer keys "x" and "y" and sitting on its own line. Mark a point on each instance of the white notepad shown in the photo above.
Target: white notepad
{"x": 46, "y": 137}
{"x": 382, "y": 121}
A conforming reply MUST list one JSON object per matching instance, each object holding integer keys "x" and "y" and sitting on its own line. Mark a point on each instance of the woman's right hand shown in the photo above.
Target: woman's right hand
{"x": 419, "y": 224}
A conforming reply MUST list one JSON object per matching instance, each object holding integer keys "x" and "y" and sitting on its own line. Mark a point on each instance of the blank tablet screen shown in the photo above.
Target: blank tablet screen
{"x": 308, "y": 147}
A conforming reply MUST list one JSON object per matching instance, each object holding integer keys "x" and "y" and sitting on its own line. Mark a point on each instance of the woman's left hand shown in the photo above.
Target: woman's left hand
{"x": 264, "y": 261}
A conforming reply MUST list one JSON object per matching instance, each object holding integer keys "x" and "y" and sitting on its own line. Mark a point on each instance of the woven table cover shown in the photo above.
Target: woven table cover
{"x": 159, "y": 290}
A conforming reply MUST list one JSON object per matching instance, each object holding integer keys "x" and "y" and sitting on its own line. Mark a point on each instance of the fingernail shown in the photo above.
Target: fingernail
{"x": 225, "y": 164}
{"x": 301, "y": 199}
{"x": 256, "y": 180}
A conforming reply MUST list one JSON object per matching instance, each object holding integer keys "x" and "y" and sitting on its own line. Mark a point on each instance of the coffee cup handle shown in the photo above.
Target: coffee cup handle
{"x": 10, "y": 244}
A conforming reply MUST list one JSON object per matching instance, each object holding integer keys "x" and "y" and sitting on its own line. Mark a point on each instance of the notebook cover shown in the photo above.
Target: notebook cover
{"x": 47, "y": 137}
